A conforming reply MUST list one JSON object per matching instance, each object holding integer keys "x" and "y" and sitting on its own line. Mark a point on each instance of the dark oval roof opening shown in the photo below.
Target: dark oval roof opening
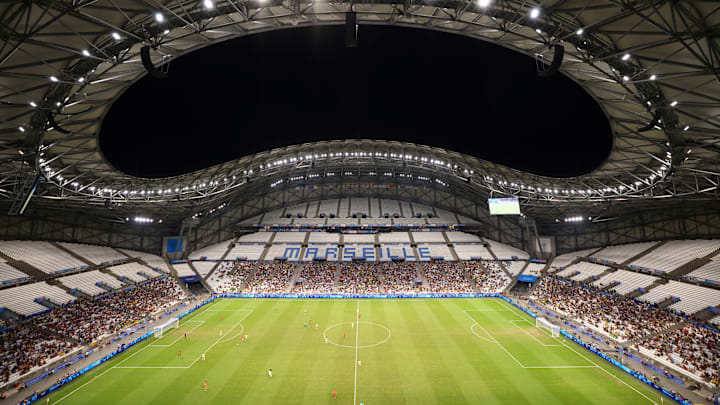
{"x": 302, "y": 85}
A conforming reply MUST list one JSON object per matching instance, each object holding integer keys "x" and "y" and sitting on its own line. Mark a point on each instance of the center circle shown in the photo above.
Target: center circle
{"x": 335, "y": 332}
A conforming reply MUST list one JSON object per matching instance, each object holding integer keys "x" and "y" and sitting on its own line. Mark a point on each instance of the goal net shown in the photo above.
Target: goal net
{"x": 160, "y": 330}
{"x": 545, "y": 324}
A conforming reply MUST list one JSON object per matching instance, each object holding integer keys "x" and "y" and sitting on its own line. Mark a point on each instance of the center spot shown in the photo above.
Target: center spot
{"x": 343, "y": 334}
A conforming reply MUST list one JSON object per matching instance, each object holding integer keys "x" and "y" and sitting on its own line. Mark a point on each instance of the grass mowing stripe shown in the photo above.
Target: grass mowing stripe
{"x": 357, "y": 337}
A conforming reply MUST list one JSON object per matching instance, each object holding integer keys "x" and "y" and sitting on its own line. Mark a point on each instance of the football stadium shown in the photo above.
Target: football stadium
{"x": 360, "y": 202}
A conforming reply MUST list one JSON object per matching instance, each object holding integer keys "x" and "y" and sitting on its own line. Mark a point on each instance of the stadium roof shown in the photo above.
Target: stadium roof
{"x": 653, "y": 66}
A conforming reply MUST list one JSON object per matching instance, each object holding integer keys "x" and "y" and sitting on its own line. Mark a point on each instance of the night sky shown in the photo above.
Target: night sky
{"x": 302, "y": 85}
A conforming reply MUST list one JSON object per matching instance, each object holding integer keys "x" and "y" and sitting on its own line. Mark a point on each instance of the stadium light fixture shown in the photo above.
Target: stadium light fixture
{"x": 653, "y": 77}
{"x": 534, "y": 13}
{"x": 579, "y": 31}
{"x": 626, "y": 57}
{"x": 159, "y": 17}
{"x": 116, "y": 36}
{"x": 626, "y": 78}
{"x": 538, "y": 30}
{"x": 21, "y": 129}
{"x": 686, "y": 127}
{"x": 674, "y": 103}
{"x": 85, "y": 52}
{"x": 32, "y": 104}
{"x": 54, "y": 79}
{"x": 484, "y": 3}
{"x": 81, "y": 80}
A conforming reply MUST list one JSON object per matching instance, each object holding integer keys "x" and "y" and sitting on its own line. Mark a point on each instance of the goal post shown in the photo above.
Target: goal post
{"x": 543, "y": 323}
{"x": 160, "y": 330}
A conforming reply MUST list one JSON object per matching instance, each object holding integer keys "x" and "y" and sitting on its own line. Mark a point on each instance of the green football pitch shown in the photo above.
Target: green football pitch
{"x": 435, "y": 351}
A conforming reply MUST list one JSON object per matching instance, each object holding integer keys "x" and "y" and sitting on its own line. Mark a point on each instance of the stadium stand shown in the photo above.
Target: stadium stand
{"x": 328, "y": 208}
{"x": 506, "y": 252}
{"x": 359, "y": 238}
{"x": 581, "y": 271}
{"x": 344, "y": 208}
{"x": 422, "y": 210}
{"x": 272, "y": 278}
{"x": 401, "y": 278}
{"x": 443, "y": 217}
{"x": 472, "y": 251}
{"x": 231, "y": 276}
{"x": 563, "y": 260}
{"x": 249, "y": 251}
{"x": 709, "y": 271}
{"x": 133, "y": 271}
{"x": 390, "y": 208}
{"x": 9, "y": 274}
{"x": 359, "y": 206}
{"x": 94, "y": 254}
{"x": 488, "y": 276}
{"x": 212, "y": 252}
{"x": 358, "y": 278}
{"x": 316, "y": 278}
{"x": 691, "y": 298}
{"x": 22, "y": 299}
{"x": 514, "y": 267}
{"x": 394, "y": 237}
{"x": 534, "y": 269}
{"x": 41, "y": 255}
{"x": 203, "y": 268}
{"x": 462, "y": 237}
{"x": 289, "y": 237}
{"x": 627, "y": 281}
{"x": 183, "y": 270}
{"x": 375, "y": 208}
{"x": 675, "y": 254}
{"x": 255, "y": 237}
{"x": 279, "y": 251}
{"x": 92, "y": 283}
{"x": 435, "y": 250}
{"x": 444, "y": 277}
{"x": 622, "y": 253}
{"x": 154, "y": 261}
{"x": 428, "y": 237}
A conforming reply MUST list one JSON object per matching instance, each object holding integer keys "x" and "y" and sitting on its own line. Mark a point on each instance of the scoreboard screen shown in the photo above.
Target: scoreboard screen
{"x": 504, "y": 206}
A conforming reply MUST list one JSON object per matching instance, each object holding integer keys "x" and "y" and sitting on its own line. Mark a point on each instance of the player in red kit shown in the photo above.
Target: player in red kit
{"x": 180, "y": 353}
{"x": 205, "y": 386}
{"x": 334, "y": 394}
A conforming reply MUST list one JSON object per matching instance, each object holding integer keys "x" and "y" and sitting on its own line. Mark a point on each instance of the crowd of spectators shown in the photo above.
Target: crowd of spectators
{"x": 620, "y": 318}
{"x": 316, "y": 278}
{"x": 488, "y": 276}
{"x": 692, "y": 347}
{"x": 446, "y": 277}
{"x": 401, "y": 278}
{"x": 271, "y": 278}
{"x": 358, "y": 278}
{"x": 230, "y": 277}
{"x": 30, "y": 343}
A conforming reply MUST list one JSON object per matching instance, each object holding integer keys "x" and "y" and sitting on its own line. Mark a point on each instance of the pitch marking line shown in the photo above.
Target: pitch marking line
{"x": 199, "y": 323}
{"x": 529, "y": 334}
{"x": 359, "y": 347}
{"x": 126, "y": 359}
{"x": 221, "y": 338}
{"x": 357, "y": 334}
{"x": 488, "y": 310}
{"x": 606, "y": 371}
{"x": 515, "y": 358}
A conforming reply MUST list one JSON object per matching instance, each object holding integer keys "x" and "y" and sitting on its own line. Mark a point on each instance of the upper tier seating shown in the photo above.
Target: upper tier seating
{"x": 203, "y": 268}
{"x": 676, "y": 253}
{"x": 95, "y": 254}
{"x": 359, "y": 206}
{"x": 375, "y": 208}
{"x": 131, "y": 270}
{"x": 621, "y": 253}
{"x": 183, "y": 270}
{"x": 567, "y": 258}
{"x": 396, "y": 250}
{"x": 212, "y": 252}
{"x": 154, "y": 261}
{"x": 692, "y": 298}
{"x": 9, "y": 273}
{"x": 428, "y": 237}
{"x": 629, "y": 281}
{"x": 343, "y": 211}
{"x": 506, "y": 252}
{"x": 296, "y": 210}
{"x": 255, "y": 237}
{"x": 534, "y": 269}
{"x": 390, "y": 207}
{"x": 409, "y": 221}
{"x": 405, "y": 209}
{"x": 470, "y": 251}
{"x": 455, "y": 237}
{"x": 324, "y": 237}
{"x": 420, "y": 209}
{"x": 252, "y": 221}
{"x": 289, "y": 237}
{"x": 87, "y": 282}
{"x": 359, "y": 238}
{"x": 585, "y": 269}
{"x": 21, "y": 299}
{"x": 514, "y": 268}
{"x": 394, "y": 237}
{"x": 309, "y": 221}
{"x": 710, "y": 271}
{"x": 375, "y": 221}
{"x": 443, "y": 217}
{"x": 278, "y": 251}
{"x": 328, "y": 208}
{"x": 41, "y": 255}
{"x": 436, "y": 250}
{"x": 250, "y": 251}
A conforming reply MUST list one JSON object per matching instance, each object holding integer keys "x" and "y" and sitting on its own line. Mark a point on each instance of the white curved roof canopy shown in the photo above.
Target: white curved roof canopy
{"x": 642, "y": 60}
